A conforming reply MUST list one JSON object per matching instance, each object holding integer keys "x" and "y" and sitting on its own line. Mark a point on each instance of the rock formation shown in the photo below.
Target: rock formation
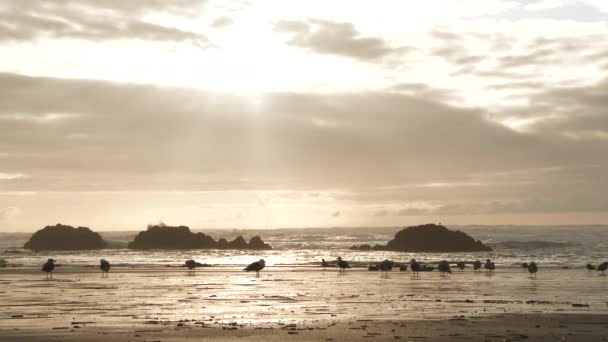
{"x": 168, "y": 237}
{"x": 430, "y": 238}
{"x": 65, "y": 238}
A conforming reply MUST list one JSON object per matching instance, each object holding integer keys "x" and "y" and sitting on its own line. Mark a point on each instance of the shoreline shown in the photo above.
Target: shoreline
{"x": 509, "y": 327}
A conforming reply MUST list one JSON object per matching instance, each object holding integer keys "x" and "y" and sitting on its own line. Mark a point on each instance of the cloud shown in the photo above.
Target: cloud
{"x": 96, "y": 21}
{"x": 12, "y": 176}
{"x": 335, "y": 38}
{"x": 382, "y": 147}
{"x": 222, "y": 22}
{"x": 9, "y": 213}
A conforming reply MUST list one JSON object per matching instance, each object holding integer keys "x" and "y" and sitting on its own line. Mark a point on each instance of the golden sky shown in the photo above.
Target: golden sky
{"x": 116, "y": 114}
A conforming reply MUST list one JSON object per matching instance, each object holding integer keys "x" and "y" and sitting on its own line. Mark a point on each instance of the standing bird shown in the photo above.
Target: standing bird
{"x": 386, "y": 266}
{"x": 477, "y": 265}
{"x": 461, "y": 265}
{"x": 191, "y": 264}
{"x": 602, "y": 267}
{"x": 532, "y": 268}
{"x": 444, "y": 268}
{"x": 489, "y": 266}
{"x": 415, "y": 266}
{"x": 343, "y": 265}
{"x": 590, "y": 267}
{"x": 256, "y": 266}
{"x": 48, "y": 267}
{"x": 104, "y": 265}
{"x": 324, "y": 263}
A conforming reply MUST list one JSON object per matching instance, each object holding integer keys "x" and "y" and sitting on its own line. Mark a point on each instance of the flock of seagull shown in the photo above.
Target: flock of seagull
{"x": 385, "y": 266}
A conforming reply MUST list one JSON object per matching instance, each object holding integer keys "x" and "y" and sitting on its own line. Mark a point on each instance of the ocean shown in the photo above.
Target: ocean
{"x": 549, "y": 246}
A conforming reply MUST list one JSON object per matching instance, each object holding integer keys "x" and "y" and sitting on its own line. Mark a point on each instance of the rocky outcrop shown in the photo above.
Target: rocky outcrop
{"x": 430, "y": 238}
{"x": 168, "y": 237}
{"x": 64, "y": 238}
{"x": 366, "y": 247}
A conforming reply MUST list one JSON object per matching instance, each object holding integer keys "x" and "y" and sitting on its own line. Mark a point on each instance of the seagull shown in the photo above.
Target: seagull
{"x": 324, "y": 263}
{"x": 256, "y": 266}
{"x": 104, "y": 265}
{"x": 461, "y": 265}
{"x": 343, "y": 265}
{"x": 602, "y": 267}
{"x": 444, "y": 268}
{"x": 386, "y": 266}
{"x": 48, "y": 267}
{"x": 476, "y": 265}
{"x": 191, "y": 264}
{"x": 590, "y": 267}
{"x": 403, "y": 267}
{"x": 416, "y": 267}
{"x": 489, "y": 266}
{"x": 532, "y": 268}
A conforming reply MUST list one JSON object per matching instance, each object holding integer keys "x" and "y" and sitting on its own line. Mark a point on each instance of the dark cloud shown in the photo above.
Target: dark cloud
{"x": 222, "y": 22}
{"x": 335, "y": 38}
{"x": 534, "y": 58}
{"x": 525, "y": 85}
{"x": 85, "y": 135}
{"x": 98, "y": 21}
{"x": 577, "y": 112}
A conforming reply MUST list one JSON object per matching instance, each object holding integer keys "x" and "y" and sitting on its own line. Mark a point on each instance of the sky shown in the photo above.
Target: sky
{"x": 240, "y": 114}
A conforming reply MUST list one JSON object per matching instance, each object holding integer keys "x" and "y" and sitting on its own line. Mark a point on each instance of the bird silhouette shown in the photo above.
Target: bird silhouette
{"x": 403, "y": 267}
{"x": 386, "y": 266}
{"x": 590, "y": 267}
{"x": 444, "y": 268}
{"x": 191, "y": 264}
{"x": 477, "y": 265}
{"x": 602, "y": 267}
{"x": 415, "y": 266}
{"x": 489, "y": 266}
{"x": 532, "y": 268}
{"x": 104, "y": 265}
{"x": 256, "y": 266}
{"x": 343, "y": 265}
{"x": 461, "y": 265}
{"x": 48, "y": 267}
{"x": 324, "y": 263}
{"x": 525, "y": 265}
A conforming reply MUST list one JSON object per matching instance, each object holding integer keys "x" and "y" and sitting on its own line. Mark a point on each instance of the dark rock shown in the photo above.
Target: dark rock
{"x": 429, "y": 238}
{"x": 222, "y": 243}
{"x": 168, "y": 237}
{"x": 65, "y": 238}
{"x": 362, "y": 247}
{"x": 257, "y": 243}
{"x": 434, "y": 238}
{"x": 238, "y": 243}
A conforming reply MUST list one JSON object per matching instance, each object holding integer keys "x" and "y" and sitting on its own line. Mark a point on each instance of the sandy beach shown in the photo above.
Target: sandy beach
{"x": 223, "y": 303}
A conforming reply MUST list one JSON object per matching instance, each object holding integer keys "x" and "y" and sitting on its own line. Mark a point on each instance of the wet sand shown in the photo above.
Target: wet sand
{"x": 169, "y": 304}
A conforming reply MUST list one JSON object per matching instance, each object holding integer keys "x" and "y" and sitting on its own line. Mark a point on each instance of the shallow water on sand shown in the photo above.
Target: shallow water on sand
{"x": 131, "y": 295}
